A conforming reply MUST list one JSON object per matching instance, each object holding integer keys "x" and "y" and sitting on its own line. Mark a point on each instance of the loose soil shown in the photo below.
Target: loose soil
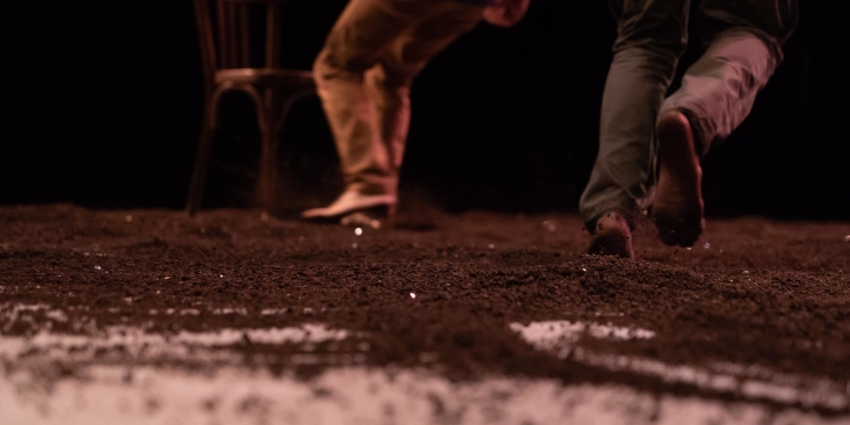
{"x": 441, "y": 292}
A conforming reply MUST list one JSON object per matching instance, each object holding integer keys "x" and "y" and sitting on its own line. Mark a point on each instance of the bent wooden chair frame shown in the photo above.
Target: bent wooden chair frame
{"x": 225, "y": 42}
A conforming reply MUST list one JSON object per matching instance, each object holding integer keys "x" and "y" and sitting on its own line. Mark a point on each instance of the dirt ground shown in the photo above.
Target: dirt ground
{"x": 449, "y": 295}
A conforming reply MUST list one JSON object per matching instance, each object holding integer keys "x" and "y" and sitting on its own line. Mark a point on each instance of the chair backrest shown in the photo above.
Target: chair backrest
{"x": 226, "y": 29}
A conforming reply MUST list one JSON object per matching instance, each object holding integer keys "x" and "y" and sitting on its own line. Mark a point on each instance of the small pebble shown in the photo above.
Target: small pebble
{"x": 358, "y": 231}
{"x": 97, "y": 267}
{"x": 847, "y": 238}
{"x": 491, "y": 246}
{"x": 129, "y": 219}
{"x": 413, "y": 295}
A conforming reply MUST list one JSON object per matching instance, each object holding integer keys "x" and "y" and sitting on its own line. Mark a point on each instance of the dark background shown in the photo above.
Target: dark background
{"x": 102, "y": 106}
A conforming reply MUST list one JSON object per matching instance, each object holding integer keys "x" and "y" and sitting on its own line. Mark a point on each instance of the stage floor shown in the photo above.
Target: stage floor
{"x": 149, "y": 316}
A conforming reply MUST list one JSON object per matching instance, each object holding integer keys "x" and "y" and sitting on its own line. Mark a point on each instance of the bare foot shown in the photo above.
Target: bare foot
{"x": 612, "y": 236}
{"x": 678, "y": 207}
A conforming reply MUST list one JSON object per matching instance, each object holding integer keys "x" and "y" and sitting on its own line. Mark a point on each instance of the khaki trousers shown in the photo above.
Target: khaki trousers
{"x": 743, "y": 39}
{"x": 364, "y": 74}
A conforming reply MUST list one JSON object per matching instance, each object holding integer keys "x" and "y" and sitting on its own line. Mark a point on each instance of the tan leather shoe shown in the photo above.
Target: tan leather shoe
{"x": 678, "y": 207}
{"x": 354, "y": 208}
{"x": 612, "y": 236}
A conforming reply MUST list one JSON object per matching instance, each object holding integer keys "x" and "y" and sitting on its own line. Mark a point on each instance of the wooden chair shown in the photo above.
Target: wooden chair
{"x": 228, "y": 59}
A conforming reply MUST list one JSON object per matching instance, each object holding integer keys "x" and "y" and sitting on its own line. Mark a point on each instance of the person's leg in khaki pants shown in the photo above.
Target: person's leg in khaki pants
{"x": 364, "y": 74}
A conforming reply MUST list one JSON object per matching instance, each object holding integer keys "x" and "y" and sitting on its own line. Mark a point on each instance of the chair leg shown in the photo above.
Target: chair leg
{"x": 276, "y": 118}
{"x": 202, "y": 162}
{"x": 267, "y": 118}
{"x": 290, "y": 100}
{"x": 267, "y": 175}
{"x": 268, "y": 167}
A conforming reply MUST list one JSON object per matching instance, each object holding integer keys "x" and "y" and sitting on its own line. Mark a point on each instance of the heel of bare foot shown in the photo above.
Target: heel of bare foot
{"x": 612, "y": 236}
{"x": 678, "y": 207}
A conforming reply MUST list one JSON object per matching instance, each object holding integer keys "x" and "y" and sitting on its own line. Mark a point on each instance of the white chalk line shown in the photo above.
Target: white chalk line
{"x": 560, "y": 337}
{"x": 358, "y": 395}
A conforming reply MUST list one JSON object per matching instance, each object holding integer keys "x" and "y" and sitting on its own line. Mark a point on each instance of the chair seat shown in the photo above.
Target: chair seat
{"x": 265, "y": 77}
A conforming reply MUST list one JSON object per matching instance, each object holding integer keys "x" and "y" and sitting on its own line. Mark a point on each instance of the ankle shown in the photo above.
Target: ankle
{"x": 679, "y": 123}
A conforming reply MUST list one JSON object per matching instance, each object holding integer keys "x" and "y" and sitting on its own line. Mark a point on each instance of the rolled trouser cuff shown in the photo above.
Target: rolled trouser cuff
{"x": 701, "y": 147}
{"x": 624, "y": 205}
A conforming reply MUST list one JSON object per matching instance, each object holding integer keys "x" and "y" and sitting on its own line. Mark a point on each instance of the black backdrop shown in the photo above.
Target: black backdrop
{"x": 102, "y": 108}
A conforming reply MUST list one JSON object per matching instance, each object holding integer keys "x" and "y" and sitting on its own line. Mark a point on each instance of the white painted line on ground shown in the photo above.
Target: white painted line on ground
{"x": 357, "y": 395}
{"x": 560, "y": 337}
{"x": 136, "y": 342}
{"x": 229, "y": 393}
{"x": 557, "y": 332}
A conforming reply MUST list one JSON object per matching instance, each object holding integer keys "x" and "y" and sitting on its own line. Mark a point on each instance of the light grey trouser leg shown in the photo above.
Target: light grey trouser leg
{"x": 744, "y": 40}
{"x": 652, "y": 35}
{"x": 719, "y": 90}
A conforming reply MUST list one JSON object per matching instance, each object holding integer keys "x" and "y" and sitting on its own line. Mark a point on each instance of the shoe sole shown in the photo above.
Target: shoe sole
{"x": 381, "y": 216}
{"x": 678, "y": 206}
{"x": 344, "y": 206}
{"x": 328, "y": 214}
{"x": 375, "y": 218}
